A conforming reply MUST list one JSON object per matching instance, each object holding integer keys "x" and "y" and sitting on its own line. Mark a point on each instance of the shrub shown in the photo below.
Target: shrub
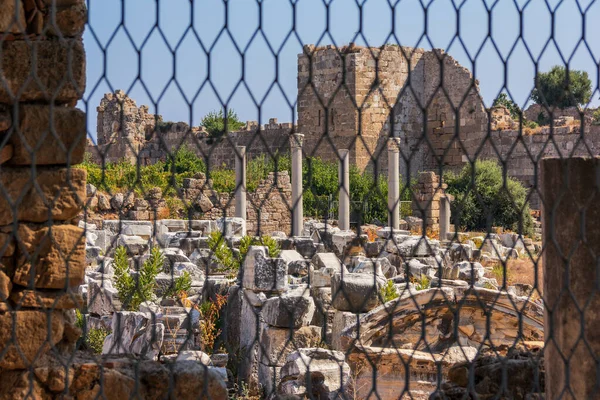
{"x": 423, "y": 283}
{"x": 596, "y": 117}
{"x": 214, "y": 123}
{"x": 388, "y": 292}
{"x": 513, "y": 108}
{"x": 555, "y": 90}
{"x": 483, "y": 199}
{"x": 209, "y": 322}
{"x": 132, "y": 292}
{"x": 185, "y": 161}
{"x": 95, "y": 339}
{"x": 180, "y": 287}
{"x": 231, "y": 262}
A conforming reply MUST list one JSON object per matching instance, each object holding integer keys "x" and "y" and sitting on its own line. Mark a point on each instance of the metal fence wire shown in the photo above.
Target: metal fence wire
{"x": 423, "y": 224}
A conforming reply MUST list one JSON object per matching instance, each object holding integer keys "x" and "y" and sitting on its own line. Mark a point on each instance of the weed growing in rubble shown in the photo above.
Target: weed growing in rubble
{"x": 232, "y": 262}
{"x": 95, "y": 339}
{"x": 180, "y": 287}
{"x": 423, "y": 283}
{"x": 133, "y": 292}
{"x": 388, "y": 292}
{"x": 210, "y": 312}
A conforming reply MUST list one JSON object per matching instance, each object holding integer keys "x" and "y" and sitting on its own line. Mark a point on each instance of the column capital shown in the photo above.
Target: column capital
{"x": 296, "y": 140}
{"x": 394, "y": 144}
{"x": 241, "y": 150}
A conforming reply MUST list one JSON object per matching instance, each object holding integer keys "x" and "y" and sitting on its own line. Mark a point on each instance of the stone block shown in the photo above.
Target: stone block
{"x": 289, "y": 310}
{"x": 142, "y": 229}
{"x": 232, "y": 226}
{"x": 342, "y": 320}
{"x": 26, "y": 334}
{"x": 262, "y": 273}
{"x": 47, "y": 300}
{"x": 69, "y": 20}
{"x": 13, "y": 17}
{"x": 356, "y": 292}
{"x": 296, "y": 264}
{"x": 50, "y": 258}
{"x": 61, "y": 194}
{"x": 277, "y": 343}
{"x": 56, "y": 135}
{"x": 102, "y": 298}
{"x": 58, "y": 67}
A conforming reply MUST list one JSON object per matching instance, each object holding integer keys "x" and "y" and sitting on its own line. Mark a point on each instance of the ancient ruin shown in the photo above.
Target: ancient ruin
{"x": 237, "y": 294}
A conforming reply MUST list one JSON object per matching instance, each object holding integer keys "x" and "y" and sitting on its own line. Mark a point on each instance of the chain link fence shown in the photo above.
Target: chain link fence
{"x": 303, "y": 199}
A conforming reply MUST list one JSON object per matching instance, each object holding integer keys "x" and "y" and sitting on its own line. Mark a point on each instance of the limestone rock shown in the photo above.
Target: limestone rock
{"x": 327, "y": 372}
{"x": 102, "y": 298}
{"x": 231, "y": 226}
{"x": 296, "y": 264}
{"x": 290, "y": 310}
{"x": 191, "y": 378}
{"x": 134, "y": 333}
{"x": 58, "y": 132}
{"x": 62, "y": 189}
{"x": 55, "y": 256}
{"x": 277, "y": 343}
{"x": 29, "y": 336}
{"x": 69, "y": 21}
{"x": 103, "y": 202}
{"x": 356, "y": 292}
{"x": 262, "y": 273}
{"x": 47, "y": 300}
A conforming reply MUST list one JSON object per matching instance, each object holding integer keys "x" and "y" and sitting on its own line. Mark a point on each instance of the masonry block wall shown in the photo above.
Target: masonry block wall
{"x": 43, "y": 138}
{"x": 427, "y": 198}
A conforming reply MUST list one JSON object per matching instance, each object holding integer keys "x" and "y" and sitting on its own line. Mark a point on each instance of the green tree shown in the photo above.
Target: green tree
{"x": 504, "y": 100}
{"x": 554, "y": 89}
{"x": 185, "y": 161}
{"x": 214, "y": 123}
{"x": 482, "y": 199}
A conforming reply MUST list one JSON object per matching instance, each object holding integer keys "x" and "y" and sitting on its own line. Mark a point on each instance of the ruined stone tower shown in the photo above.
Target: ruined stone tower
{"x": 356, "y": 97}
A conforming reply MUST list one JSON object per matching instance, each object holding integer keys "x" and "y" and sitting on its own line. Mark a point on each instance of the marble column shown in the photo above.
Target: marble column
{"x": 297, "y": 207}
{"x": 344, "y": 185}
{"x": 394, "y": 183}
{"x": 240, "y": 182}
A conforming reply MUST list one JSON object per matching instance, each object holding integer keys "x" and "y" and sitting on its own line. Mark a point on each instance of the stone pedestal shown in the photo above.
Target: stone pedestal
{"x": 240, "y": 182}
{"x": 344, "y": 185}
{"x": 394, "y": 183}
{"x": 297, "y": 206}
{"x": 571, "y": 234}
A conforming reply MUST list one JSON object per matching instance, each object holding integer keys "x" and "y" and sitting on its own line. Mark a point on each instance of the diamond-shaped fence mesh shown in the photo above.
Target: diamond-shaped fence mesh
{"x": 423, "y": 224}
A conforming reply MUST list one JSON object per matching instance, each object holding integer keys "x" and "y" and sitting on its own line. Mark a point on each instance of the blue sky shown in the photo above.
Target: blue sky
{"x": 184, "y": 58}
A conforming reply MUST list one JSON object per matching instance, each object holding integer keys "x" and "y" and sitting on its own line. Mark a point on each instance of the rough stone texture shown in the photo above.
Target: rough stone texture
{"x": 62, "y": 189}
{"x": 56, "y": 135}
{"x": 50, "y": 258}
{"x": 47, "y": 300}
{"x": 290, "y": 310}
{"x": 262, "y": 273}
{"x": 356, "y": 292}
{"x": 34, "y": 333}
{"x": 59, "y": 68}
{"x": 68, "y": 21}
{"x": 570, "y": 282}
{"x": 13, "y": 18}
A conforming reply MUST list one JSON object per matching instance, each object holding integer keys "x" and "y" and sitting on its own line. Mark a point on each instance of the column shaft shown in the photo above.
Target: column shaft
{"x": 297, "y": 206}
{"x": 344, "y": 184}
{"x": 240, "y": 182}
{"x": 394, "y": 183}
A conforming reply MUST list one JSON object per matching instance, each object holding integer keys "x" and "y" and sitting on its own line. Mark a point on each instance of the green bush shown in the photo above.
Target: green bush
{"x": 553, "y": 89}
{"x": 596, "y": 117}
{"x": 181, "y": 285}
{"x": 214, "y": 123}
{"x": 133, "y": 292}
{"x": 95, "y": 339}
{"x": 185, "y": 161}
{"x": 232, "y": 262}
{"x": 388, "y": 292}
{"x": 483, "y": 200}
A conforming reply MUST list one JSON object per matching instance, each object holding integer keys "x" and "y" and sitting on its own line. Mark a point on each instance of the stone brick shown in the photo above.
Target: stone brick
{"x": 62, "y": 194}
{"x": 11, "y": 16}
{"x": 34, "y": 333}
{"x": 69, "y": 19}
{"x": 42, "y": 70}
{"x": 50, "y": 258}
{"x": 55, "y": 134}
{"x": 47, "y": 299}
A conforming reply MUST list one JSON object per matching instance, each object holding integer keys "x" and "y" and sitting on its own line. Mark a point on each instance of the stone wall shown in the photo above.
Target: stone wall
{"x": 42, "y": 252}
{"x": 128, "y": 132}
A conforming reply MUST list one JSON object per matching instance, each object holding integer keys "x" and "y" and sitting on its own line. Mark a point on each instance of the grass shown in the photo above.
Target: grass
{"x": 520, "y": 270}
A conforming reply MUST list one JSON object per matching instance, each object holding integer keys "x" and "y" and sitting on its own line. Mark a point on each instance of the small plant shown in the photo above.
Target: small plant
{"x": 498, "y": 273}
{"x": 209, "y": 320}
{"x": 132, "y": 293}
{"x": 388, "y": 292}
{"x": 596, "y": 117}
{"x": 488, "y": 285}
{"x": 79, "y": 319}
{"x": 222, "y": 252}
{"x": 95, "y": 339}
{"x": 180, "y": 287}
{"x": 423, "y": 283}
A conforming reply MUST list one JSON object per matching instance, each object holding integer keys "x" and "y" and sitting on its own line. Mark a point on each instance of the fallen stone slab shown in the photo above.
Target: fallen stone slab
{"x": 356, "y": 292}
{"x": 290, "y": 310}
{"x": 262, "y": 273}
